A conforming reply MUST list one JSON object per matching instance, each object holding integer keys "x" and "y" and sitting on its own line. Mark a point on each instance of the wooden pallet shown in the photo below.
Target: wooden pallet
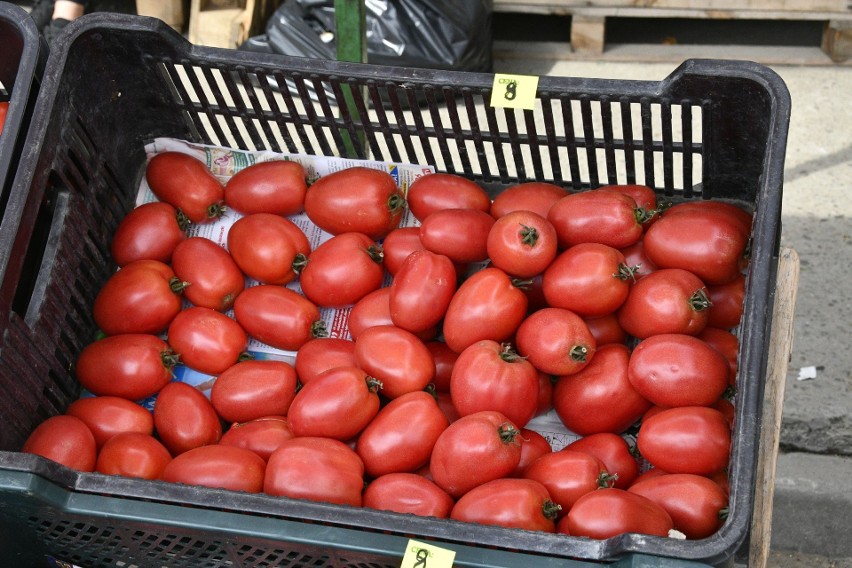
{"x": 588, "y": 17}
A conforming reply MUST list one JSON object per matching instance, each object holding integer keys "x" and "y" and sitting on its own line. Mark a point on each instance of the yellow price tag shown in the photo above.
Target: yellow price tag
{"x": 424, "y": 555}
{"x": 514, "y": 91}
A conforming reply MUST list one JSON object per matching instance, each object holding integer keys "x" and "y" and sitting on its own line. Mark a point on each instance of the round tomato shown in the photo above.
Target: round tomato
{"x": 206, "y": 340}
{"x": 396, "y": 357}
{"x": 401, "y": 436}
{"x": 217, "y": 466}
{"x": 131, "y": 366}
{"x": 460, "y": 234}
{"x": 590, "y": 279}
{"x": 441, "y": 190}
{"x": 473, "y": 450}
{"x": 510, "y": 502}
{"x": 445, "y": 358}
{"x": 148, "y": 232}
{"x": 253, "y": 389}
{"x": 108, "y": 416}
{"x": 615, "y": 454}
{"x": 726, "y": 301}
{"x": 278, "y": 316}
{"x": 678, "y": 370}
{"x": 421, "y": 291}
{"x": 522, "y": 243}
{"x": 142, "y": 297}
{"x": 666, "y": 301}
{"x": 533, "y": 446}
{"x": 261, "y": 435}
{"x": 702, "y": 239}
{"x": 408, "y": 493}
{"x": 212, "y": 278}
{"x": 687, "y": 439}
{"x": 263, "y": 247}
{"x": 319, "y": 469}
{"x": 695, "y": 503}
{"x": 322, "y": 353}
{"x": 276, "y": 187}
{"x": 133, "y": 454}
{"x": 600, "y": 398}
{"x": 610, "y": 512}
{"x": 187, "y": 184}
{"x": 487, "y": 305}
{"x": 568, "y": 475}
{"x": 597, "y": 216}
{"x": 338, "y": 404}
{"x": 356, "y": 200}
{"x": 606, "y": 329}
{"x": 65, "y": 440}
{"x": 535, "y": 196}
{"x": 396, "y": 247}
{"x": 556, "y": 341}
{"x": 725, "y": 343}
{"x": 342, "y": 270}
{"x": 184, "y": 418}
{"x": 491, "y": 376}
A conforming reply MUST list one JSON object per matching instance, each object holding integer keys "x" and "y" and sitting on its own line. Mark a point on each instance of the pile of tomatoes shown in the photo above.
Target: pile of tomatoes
{"x": 602, "y": 306}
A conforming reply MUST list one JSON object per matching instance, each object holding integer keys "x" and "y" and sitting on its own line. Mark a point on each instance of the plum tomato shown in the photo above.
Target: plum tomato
{"x": 597, "y": 216}
{"x": 614, "y": 452}
{"x": 535, "y": 196}
{"x": 261, "y": 435}
{"x": 408, "y": 493}
{"x": 509, "y": 502}
{"x": 278, "y": 316}
{"x": 686, "y": 439}
{"x": 460, "y": 234}
{"x": 108, "y": 416}
{"x": 206, "y": 340}
{"x": 421, "y": 291}
{"x": 342, "y": 270}
{"x": 133, "y": 454}
{"x": 396, "y": 247}
{"x": 322, "y": 353}
{"x": 187, "y": 184}
{"x": 669, "y": 300}
{"x": 396, "y": 357}
{"x": 609, "y": 512}
{"x": 443, "y": 190}
{"x": 276, "y": 187}
{"x": 533, "y": 446}
{"x": 65, "y": 440}
{"x": 264, "y": 248}
{"x": 210, "y": 276}
{"x": 556, "y": 341}
{"x": 150, "y": 231}
{"x": 252, "y": 389}
{"x": 522, "y": 243}
{"x": 568, "y": 475}
{"x": 184, "y": 418}
{"x": 218, "y": 466}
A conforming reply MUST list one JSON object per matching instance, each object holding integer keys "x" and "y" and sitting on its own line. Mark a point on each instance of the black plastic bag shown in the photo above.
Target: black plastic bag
{"x": 435, "y": 34}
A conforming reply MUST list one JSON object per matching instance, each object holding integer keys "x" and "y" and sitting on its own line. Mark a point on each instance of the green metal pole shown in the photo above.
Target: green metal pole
{"x": 351, "y": 24}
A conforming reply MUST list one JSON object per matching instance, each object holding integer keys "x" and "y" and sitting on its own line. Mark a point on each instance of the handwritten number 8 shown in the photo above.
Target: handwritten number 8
{"x": 511, "y": 90}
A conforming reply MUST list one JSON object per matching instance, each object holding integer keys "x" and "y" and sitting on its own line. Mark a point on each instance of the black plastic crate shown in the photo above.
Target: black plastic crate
{"x": 23, "y": 53}
{"x": 711, "y": 130}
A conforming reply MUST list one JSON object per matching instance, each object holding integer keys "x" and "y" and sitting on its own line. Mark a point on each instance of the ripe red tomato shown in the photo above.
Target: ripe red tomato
{"x": 678, "y": 370}
{"x": 263, "y": 246}
{"x": 442, "y": 190}
{"x": 597, "y": 216}
{"x": 610, "y": 512}
{"x": 254, "y": 389}
{"x": 4, "y": 110}
{"x": 568, "y": 475}
{"x": 132, "y": 366}
{"x": 635, "y": 257}
{"x": 206, "y": 340}
{"x": 371, "y": 310}
{"x": 396, "y": 357}
{"x": 701, "y": 239}
{"x": 322, "y": 353}
{"x": 408, "y": 493}
{"x": 695, "y": 503}
{"x": 491, "y": 376}
{"x": 533, "y": 446}
{"x": 545, "y": 392}
{"x": 445, "y": 358}
{"x": 741, "y": 217}
{"x": 666, "y": 301}
{"x": 108, "y": 416}
{"x": 212, "y": 278}
{"x": 421, "y": 291}
{"x": 522, "y": 243}
{"x": 473, "y": 450}
{"x": 535, "y": 196}
{"x": 396, "y": 247}
{"x": 187, "y": 184}
{"x": 644, "y": 196}
{"x": 460, "y": 234}
{"x": 217, "y": 466}
{"x": 355, "y": 200}
{"x": 687, "y": 439}
{"x": 261, "y": 435}
{"x": 148, "y": 232}
{"x": 401, "y": 436}
{"x": 342, "y": 270}
{"x": 319, "y": 469}
{"x": 338, "y": 404}
{"x": 487, "y": 305}
{"x": 614, "y": 452}
{"x": 133, "y": 454}
{"x": 725, "y": 343}
{"x": 726, "y": 301}
{"x": 600, "y": 398}
{"x": 509, "y": 502}
{"x": 606, "y": 329}
{"x": 556, "y": 341}
{"x": 184, "y": 418}
{"x": 590, "y": 279}
{"x": 65, "y": 440}
{"x": 277, "y": 187}
{"x": 142, "y": 297}
{"x": 278, "y": 316}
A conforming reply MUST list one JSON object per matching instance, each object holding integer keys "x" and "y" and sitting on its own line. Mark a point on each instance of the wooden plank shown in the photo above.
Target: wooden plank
{"x": 837, "y": 40}
{"x": 169, "y": 11}
{"x": 780, "y": 347}
{"x": 563, "y": 6}
{"x": 588, "y": 33}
